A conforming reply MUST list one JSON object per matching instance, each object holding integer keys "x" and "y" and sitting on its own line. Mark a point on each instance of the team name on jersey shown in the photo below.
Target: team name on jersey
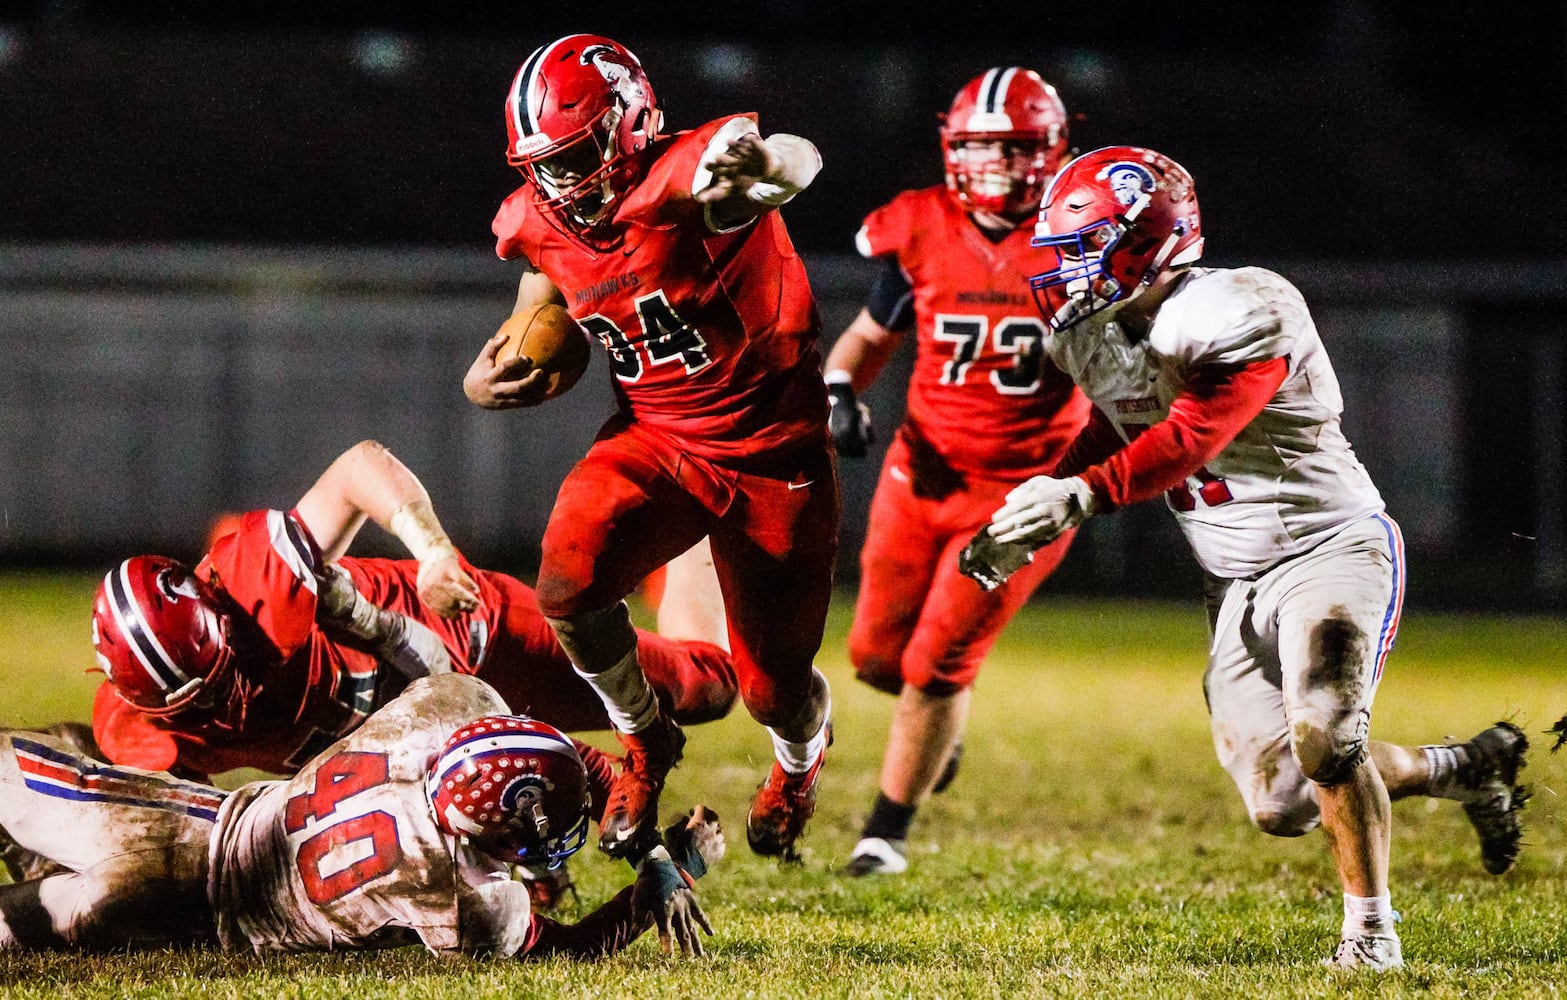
{"x": 992, "y": 297}
{"x": 1141, "y": 404}
{"x": 608, "y": 286}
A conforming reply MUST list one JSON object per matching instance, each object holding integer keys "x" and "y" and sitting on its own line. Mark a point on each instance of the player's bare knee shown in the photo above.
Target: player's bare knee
{"x": 596, "y": 640}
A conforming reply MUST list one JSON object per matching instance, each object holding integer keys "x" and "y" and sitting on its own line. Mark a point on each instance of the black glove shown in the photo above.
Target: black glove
{"x": 695, "y": 841}
{"x": 849, "y": 421}
{"x": 989, "y": 562}
{"x": 664, "y": 893}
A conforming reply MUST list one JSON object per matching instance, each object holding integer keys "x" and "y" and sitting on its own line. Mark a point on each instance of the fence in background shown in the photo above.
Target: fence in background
{"x": 147, "y": 389}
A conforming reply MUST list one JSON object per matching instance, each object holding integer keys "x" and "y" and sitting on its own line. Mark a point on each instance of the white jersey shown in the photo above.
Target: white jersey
{"x": 346, "y": 854}
{"x": 1289, "y": 480}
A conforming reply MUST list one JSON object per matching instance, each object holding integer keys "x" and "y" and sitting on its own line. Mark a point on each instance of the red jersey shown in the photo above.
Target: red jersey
{"x": 983, "y": 393}
{"x": 302, "y": 689}
{"x": 711, "y": 336}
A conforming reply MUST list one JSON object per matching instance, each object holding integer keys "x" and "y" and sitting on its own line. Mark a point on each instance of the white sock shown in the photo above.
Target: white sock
{"x": 1444, "y": 763}
{"x": 626, "y": 694}
{"x": 797, "y": 758}
{"x": 1368, "y": 915}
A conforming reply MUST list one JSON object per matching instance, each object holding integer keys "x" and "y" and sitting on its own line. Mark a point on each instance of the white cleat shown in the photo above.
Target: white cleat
{"x": 1377, "y": 952}
{"x": 875, "y": 856}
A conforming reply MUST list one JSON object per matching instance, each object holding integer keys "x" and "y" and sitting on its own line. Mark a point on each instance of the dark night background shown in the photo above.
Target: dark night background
{"x": 206, "y": 201}
{"x": 1327, "y": 128}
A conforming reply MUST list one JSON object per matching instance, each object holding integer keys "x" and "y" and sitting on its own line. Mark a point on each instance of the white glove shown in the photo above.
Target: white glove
{"x": 413, "y": 649}
{"x": 1040, "y": 509}
{"x": 410, "y": 647}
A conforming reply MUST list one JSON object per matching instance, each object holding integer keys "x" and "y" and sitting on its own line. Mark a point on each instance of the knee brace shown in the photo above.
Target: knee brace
{"x": 1328, "y": 757}
{"x": 596, "y": 640}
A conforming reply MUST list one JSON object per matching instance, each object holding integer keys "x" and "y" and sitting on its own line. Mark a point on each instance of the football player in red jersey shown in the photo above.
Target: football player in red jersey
{"x": 277, "y": 644}
{"x": 670, "y": 251}
{"x": 986, "y": 411}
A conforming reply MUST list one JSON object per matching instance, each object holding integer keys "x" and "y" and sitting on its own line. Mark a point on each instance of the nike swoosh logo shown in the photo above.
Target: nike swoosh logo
{"x": 898, "y": 474}
{"x": 801, "y": 486}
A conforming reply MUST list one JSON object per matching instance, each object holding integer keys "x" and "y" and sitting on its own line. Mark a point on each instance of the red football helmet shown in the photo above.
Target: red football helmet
{"x": 1117, "y": 218}
{"x": 516, "y": 787}
{"x": 1003, "y": 138}
{"x": 578, "y": 112}
{"x": 160, "y": 636}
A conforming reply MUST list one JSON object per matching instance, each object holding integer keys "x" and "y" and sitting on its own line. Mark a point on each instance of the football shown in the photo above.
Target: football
{"x": 547, "y": 335}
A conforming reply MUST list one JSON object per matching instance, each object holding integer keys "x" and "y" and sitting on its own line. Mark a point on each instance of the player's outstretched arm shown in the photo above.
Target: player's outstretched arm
{"x": 506, "y": 385}
{"x": 368, "y": 481}
{"x": 663, "y": 896}
{"x": 755, "y": 175}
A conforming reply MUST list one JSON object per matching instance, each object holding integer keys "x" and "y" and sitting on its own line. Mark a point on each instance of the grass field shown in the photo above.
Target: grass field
{"x": 1091, "y": 846}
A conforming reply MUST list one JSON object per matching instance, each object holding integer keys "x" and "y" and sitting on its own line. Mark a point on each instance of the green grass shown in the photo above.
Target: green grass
{"x": 1091, "y": 846}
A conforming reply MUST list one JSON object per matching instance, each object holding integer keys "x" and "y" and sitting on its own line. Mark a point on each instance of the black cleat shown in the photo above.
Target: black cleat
{"x": 1493, "y": 798}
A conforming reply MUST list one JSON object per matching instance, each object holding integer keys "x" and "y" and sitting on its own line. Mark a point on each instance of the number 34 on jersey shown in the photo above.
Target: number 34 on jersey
{"x": 663, "y": 338}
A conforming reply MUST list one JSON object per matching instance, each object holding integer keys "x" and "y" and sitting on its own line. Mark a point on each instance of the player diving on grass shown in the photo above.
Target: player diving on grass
{"x": 403, "y": 832}
{"x": 669, "y": 249}
{"x": 1212, "y": 387}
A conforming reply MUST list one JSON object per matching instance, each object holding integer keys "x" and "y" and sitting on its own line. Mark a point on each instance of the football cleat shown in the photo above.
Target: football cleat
{"x": 875, "y": 856}
{"x": 1376, "y": 952}
{"x": 1491, "y": 797}
{"x": 631, "y": 815}
{"x": 784, "y": 803}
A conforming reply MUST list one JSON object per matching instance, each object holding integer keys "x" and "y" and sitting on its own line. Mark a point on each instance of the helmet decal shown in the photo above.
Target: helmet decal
{"x": 616, "y": 73}
{"x": 1128, "y": 181}
{"x": 524, "y": 796}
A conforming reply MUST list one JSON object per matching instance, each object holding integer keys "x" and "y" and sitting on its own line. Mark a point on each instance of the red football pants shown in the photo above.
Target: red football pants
{"x": 517, "y": 653}
{"x": 918, "y": 621}
{"x": 637, "y": 500}
{"x": 693, "y": 681}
